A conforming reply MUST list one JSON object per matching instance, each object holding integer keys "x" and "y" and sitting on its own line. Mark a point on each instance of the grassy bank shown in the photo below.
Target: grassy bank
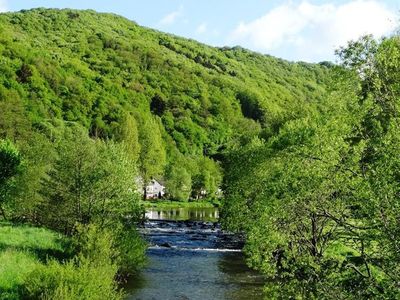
{"x": 37, "y": 263}
{"x": 23, "y": 249}
{"x": 179, "y": 204}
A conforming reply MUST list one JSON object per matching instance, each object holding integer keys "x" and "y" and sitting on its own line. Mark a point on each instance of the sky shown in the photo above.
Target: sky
{"x": 307, "y": 30}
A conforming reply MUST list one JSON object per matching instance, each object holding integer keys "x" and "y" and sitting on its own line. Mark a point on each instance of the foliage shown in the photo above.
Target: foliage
{"x": 27, "y": 198}
{"x": 37, "y": 263}
{"x": 94, "y": 101}
{"x": 208, "y": 179}
{"x": 128, "y": 135}
{"x": 131, "y": 250}
{"x": 179, "y": 182}
{"x": 10, "y": 161}
{"x": 157, "y": 93}
{"x": 90, "y": 275}
{"x": 22, "y": 249}
{"x": 318, "y": 201}
{"x": 91, "y": 181}
{"x": 153, "y": 156}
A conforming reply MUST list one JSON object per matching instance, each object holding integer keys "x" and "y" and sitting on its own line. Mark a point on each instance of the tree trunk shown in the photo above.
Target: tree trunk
{"x": 314, "y": 235}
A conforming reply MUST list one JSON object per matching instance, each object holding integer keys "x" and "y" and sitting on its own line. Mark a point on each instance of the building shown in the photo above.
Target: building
{"x": 155, "y": 190}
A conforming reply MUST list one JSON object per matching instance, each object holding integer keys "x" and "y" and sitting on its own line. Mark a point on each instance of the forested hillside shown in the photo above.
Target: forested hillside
{"x": 178, "y": 105}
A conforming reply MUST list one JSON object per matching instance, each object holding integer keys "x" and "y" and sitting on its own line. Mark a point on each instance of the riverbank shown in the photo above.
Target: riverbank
{"x": 24, "y": 249}
{"x": 163, "y": 204}
{"x": 38, "y": 263}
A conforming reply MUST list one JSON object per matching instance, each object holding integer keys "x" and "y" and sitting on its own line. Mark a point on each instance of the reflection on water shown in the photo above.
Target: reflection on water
{"x": 193, "y": 259}
{"x": 182, "y": 214}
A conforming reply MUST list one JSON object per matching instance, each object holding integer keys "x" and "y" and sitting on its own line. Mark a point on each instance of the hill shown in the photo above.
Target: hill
{"x": 178, "y": 104}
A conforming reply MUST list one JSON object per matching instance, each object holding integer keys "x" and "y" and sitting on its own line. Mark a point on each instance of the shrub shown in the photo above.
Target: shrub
{"x": 131, "y": 250}
{"x": 90, "y": 275}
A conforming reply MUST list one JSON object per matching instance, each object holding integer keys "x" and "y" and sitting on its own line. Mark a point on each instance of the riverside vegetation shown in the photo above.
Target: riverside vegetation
{"x": 306, "y": 155}
{"x": 319, "y": 201}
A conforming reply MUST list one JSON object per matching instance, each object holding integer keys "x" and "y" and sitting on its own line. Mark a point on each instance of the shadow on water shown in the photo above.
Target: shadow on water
{"x": 191, "y": 258}
{"x": 248, "y": 284}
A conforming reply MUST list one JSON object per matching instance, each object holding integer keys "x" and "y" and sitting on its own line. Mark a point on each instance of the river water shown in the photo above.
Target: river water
{"x": 190, "y": 257}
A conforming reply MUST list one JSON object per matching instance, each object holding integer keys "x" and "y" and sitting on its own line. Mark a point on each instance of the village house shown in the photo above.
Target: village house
{"x": 155, "y": 190}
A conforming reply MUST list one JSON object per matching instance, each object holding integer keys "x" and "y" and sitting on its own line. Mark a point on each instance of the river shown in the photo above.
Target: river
{"x": 190, "y": 257}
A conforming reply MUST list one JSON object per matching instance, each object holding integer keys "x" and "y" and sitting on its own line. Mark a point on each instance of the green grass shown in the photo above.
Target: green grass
{"x": 340, "y": 252}
{"x": 22, "y": 250}
{"x": 27, "y": 237}
{"x": 15, "y": 266}
{"x": 179, "y": 204}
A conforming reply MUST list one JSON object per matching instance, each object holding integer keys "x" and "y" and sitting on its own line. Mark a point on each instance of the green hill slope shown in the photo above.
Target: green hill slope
{"x": 185, "y": 100}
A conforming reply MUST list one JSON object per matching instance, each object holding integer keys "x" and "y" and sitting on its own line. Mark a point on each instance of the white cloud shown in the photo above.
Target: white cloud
{"x": 202, "y": 28}
{"x": 311, "y": 32}
{"x": 171, "y": 18}
{"x": 3, "y": 6}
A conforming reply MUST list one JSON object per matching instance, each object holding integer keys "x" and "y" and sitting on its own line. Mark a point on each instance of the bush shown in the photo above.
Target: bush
{"x": 90, "y": 275}
{"x": 131, "y": 251}
{"x": 73, "y": 280}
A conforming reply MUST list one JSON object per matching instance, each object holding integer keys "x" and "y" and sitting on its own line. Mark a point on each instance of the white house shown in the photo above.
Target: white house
{"x": 155, "y": 190}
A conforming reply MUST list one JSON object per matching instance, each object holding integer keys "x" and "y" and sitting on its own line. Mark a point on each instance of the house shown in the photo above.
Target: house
{"x": 155, "y": 190}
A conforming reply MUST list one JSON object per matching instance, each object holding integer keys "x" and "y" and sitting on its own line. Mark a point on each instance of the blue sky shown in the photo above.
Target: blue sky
{"x": 306, "y": 30}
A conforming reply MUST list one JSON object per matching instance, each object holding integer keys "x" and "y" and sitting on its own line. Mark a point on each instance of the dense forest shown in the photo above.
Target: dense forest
{"x": 93, "y": 105}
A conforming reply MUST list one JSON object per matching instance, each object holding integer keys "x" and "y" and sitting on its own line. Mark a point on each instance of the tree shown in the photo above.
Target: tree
{"x": 28, "y": 199}
{"x": 152, "y": 155}
{"x": 208, "y": 178}
{"x": 379, "y": 95}
{"x": 287, "y": 195}
{"x": 91, "y": 181}
{"x": 13, "y": 120}
{"x": 128, "y": 135}
{"x": 319, "y": 201}
{"x": 179, "y": 181}
{"x": 10, "y": 162}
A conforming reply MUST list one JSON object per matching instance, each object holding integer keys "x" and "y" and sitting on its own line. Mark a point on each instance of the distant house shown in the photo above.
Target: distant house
{"x": 155, "y": 190}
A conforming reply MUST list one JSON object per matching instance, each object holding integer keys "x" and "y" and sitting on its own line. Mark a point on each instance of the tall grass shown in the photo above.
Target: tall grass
{"x": 36, "y": 263}
{"x": 41, "y": 241}
{"x": 22, "y": 250}
{"x": 89, "y": 275}
{"x": 15, "y": 267}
